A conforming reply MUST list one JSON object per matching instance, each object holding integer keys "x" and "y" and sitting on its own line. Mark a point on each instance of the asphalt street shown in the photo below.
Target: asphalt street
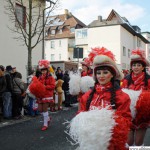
{"x": 27, "y": 135}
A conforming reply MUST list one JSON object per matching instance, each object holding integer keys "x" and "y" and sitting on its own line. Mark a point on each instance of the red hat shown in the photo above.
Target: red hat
{"x": 103, "y": 57}
{"x": 43, "y": 64}
{"x": 139, "y": 55}
{"x": 86, "y": 62}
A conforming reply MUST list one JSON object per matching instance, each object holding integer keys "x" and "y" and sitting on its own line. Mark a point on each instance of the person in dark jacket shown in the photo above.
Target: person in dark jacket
{"x": 65, "y": 87}
{"x": 2, "y": 86}
{"x": 59, "y": 74}
{"x": 17, "y": 101}
{"x": 7, "y": 100}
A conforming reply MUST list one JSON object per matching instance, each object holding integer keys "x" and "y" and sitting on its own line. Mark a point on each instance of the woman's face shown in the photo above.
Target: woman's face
{"x": 84, "y": 68}
{"x": 44, "y": 71}
{"x": 137, "y": 68}
{"x": 103, "y": 76}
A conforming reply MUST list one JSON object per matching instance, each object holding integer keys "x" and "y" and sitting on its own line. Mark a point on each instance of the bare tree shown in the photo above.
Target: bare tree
{"x": 30, "y": 31}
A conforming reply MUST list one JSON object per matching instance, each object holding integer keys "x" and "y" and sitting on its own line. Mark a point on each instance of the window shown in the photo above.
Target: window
{"x": 124, "y": 51}
{"x": 20, "y": 15}
{"x": 72, "y": 30}
{"x": 129, "y": 53}
{"x": 138, "y": 43}
{"x": 59, "y": 56}
{"x": 59, "y": 43}
{"x": 82, "y": 33}
{"x": 52, "y": 57}
{"x": 79, "y": 34}
{"x": 52, "y": 44}
{"x": 53, "y": 32}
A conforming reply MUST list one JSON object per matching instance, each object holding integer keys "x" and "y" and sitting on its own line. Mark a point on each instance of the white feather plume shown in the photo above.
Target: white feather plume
{"x": 86, "y": 83}
{"x": 74, "y": 83}
{"x": 134, "y": 96}
{"x": 92, "y": 130}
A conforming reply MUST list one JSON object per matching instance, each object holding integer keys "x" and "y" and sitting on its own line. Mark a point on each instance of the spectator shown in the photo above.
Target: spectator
{"x": 65, "y": 87}
{"x": 14, "y": 70}
{"x": 32, "y": 107}
{"x": 2, "y": 86}
{"x": 18, "y": 89}
{"x": 7, "y": 100}
{"x": 59, "y": 74}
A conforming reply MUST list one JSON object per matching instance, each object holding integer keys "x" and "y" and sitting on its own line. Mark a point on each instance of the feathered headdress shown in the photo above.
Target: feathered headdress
{"x": 104, "y": 57}
{"x": 43, "y": 64}
{"x": 139, "y": 55}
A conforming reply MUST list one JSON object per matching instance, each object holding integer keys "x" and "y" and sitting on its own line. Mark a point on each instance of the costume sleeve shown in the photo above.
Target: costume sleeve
{"x": 149, "y": 84}
{"x": 51, "y": 83}
{"x": 82, "y": 102}
{"x": 123, "y": 105}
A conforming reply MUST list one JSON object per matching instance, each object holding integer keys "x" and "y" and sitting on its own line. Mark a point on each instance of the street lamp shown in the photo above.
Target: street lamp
{"x": 51, "y": 2}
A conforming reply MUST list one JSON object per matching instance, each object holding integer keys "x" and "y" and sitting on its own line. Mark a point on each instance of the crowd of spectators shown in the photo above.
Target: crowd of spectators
{"x": 12, "y": 89}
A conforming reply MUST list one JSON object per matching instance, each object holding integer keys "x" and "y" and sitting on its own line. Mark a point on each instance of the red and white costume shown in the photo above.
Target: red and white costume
{"x": 102, "y": 126}
{"x": 43, "y": 89}
{"x": 142, "y": 117}
{"x": 137, "y": 85}
{"x": 49, "y": 83}
{"x": 102, "y": 98}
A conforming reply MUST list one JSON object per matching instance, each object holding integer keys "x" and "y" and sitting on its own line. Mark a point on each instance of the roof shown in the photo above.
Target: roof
{"x": 115, "y": 19}
{"x": 62, "y": 25}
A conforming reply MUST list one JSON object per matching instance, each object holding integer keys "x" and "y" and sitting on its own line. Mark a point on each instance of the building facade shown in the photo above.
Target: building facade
{"x": 60, "y": 37}
{"x": 116, "y": 34}
{"x": 147, "y": 36}
{"x": 14, "y": 52}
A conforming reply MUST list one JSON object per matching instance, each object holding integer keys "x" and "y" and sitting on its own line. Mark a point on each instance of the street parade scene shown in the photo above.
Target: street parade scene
{"x": 68, "y": 84}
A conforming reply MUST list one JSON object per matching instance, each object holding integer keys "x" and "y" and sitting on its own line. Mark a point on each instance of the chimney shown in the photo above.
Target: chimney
{"x": 66, "y": 14}
{"x": 100, "y": 18}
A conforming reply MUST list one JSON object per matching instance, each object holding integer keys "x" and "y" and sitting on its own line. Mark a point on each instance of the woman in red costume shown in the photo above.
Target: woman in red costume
{"x": 137, "y": 80}
{"x": 43, "y": 89}
{"x": 86, "y": 69}
{"x": 106, "y": 91}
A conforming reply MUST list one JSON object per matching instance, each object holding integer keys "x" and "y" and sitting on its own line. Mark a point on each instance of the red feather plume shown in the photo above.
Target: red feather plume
{"x": 100, "y": 51}
{"x": 143, "y": 108}
{"x": 120, "y": 133}
{"x": 43, "y": 63}
{"x": 37, "y": 88}
{"x": 139, "y": 52}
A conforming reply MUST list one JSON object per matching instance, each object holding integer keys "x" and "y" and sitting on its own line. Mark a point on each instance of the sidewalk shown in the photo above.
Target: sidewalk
{"x": 4, "y": 122}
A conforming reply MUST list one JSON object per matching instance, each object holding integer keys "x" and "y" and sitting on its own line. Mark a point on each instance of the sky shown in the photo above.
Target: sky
{"x": 137, "y": 12}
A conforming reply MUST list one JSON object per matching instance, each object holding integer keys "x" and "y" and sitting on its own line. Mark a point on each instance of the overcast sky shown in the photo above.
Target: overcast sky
{"x": 136, "y": 11}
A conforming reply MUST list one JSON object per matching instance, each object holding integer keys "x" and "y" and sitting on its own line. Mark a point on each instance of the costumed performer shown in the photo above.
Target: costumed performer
{"x": 138, "y": 80}
{"x": 105, "y": 95}
{"x": 43, "y": 89}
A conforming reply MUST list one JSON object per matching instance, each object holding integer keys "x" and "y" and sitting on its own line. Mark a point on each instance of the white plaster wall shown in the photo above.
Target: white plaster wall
{"x": 107, "y": 36}
{"x": 63, "y": 49}
{"x": 13, "y": 52}
{"x": 128, "y": 41}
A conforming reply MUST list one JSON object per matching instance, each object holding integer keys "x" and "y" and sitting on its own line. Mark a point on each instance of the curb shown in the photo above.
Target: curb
{"x": 12, "y": 122}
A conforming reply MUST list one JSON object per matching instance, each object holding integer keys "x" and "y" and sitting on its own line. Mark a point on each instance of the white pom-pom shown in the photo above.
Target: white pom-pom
{"x": 134, "y": 96}
{"x": 86, "y": 83}
{"x": 74, "y": 83}
{"x": 92, "y": 130}
{"x": 29, "y": 93}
